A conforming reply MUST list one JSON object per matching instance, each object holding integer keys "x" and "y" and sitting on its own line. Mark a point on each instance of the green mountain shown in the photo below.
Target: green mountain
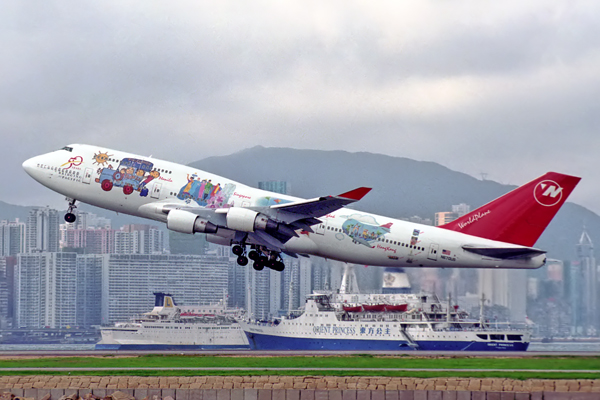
{"x": 401, "y": 187}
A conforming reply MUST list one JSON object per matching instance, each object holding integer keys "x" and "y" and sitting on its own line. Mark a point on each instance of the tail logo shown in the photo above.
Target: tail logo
{"x": 548, "y": 193}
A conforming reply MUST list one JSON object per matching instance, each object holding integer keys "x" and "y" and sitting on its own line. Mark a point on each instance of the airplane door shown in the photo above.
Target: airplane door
{"x": 156, "y": 190}
{"x": 433, "y": 250}
{"x": 320, "y": 228}
{"x": 87, "y": 176}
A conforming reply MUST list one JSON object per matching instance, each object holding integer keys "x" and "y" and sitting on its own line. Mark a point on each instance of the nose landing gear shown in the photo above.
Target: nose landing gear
{"x": 70, "y": 217}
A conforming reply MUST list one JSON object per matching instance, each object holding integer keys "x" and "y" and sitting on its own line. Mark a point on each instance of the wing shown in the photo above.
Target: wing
{"x": 321, "y": 206}
{"x": 266, "y": 226}
{"x": 305, "y": 213}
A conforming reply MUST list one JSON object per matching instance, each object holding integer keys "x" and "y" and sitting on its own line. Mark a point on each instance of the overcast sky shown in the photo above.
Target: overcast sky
{"x": 507, "y": 88}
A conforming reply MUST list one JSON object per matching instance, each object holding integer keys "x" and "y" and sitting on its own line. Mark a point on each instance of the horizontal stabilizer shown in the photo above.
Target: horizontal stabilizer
{"x": 505, "y": 252}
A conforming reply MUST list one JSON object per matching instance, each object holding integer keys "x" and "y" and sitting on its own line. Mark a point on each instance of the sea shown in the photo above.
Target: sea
{"x": 565, "y": 347}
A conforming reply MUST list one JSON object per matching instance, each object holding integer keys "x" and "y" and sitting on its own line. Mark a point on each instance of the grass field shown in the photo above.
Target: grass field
{"x": 339, "y": 365}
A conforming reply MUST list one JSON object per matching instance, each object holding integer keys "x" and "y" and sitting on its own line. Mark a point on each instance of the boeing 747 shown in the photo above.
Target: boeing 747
{"x": 261, "y": 225}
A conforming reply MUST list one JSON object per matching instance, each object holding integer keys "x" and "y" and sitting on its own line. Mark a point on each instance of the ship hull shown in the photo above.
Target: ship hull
{"x": 260, "y": 341}
{"x": 117, "y": 346}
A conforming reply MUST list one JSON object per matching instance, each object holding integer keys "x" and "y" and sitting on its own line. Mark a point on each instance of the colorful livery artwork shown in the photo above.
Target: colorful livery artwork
{"x": 364, "y": 233}
{"x": 132, "y": 174}
{"x": 205, "y": 192}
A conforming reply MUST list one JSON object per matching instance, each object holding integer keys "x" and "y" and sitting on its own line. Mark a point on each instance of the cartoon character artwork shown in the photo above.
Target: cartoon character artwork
{"x": 101, "y": 158}
{"x": 205, "y": 192}
{"x": 129, "y": 175}
{"x": 154, "y": 174}
{"x": 364, "y": 229}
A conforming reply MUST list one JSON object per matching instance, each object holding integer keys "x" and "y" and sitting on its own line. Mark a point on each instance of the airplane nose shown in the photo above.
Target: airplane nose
{"x": 30, "y": 165}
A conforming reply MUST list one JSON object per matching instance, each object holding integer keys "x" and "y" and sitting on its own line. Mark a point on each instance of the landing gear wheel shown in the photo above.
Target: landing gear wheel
{"x": 242, "y": 260}
{"x": 279, "y": 266}
{"x": 253, "y": 255}
{"x": 237, "y": 250}
{"x": 258, "y": 266}
{"x": 70, "y": 217}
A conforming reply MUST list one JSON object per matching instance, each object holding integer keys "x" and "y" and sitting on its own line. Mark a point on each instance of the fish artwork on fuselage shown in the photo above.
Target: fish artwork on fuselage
{"x": 205, "y": 192}
{"x": 364, "y": 232}
{"x": 270, "y": 201}
{"x": 132, "y": 174}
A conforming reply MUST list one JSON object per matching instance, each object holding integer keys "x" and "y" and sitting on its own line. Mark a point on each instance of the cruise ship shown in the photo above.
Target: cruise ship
{"x": 172, "y": 327}
{"x": 334, "y": 321}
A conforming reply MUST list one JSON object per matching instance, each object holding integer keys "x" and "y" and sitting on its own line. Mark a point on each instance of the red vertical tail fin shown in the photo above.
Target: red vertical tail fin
{"x": 521, "y": 215}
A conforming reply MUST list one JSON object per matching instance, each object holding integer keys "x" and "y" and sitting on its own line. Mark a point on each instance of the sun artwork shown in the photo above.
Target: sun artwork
{"x": 101, "y": 158}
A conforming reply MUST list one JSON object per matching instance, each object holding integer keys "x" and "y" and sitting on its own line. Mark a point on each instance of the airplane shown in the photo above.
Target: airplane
{"x": 261, "y": 225}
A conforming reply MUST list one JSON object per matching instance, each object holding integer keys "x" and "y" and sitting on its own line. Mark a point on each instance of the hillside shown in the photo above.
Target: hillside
{"x": 401, "y": 187}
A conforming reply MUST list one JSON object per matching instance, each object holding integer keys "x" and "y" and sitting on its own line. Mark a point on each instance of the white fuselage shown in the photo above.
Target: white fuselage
{"x": 345, "y": 235}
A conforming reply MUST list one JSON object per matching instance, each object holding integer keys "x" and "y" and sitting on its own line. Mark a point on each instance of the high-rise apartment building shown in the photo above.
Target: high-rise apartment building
{"x": 89, "y": 289}
{"x": 57, "y": 290}
{"x": 139, "y": 239}
{"x": 93, "y": 241}
{"x": 128, "y": 281}
{"x": 282, "y": 187}
{"x": 506, "y": 288}
{"x": 42, "y": 232}
{"x": 4, "y": 316}
{"x": 588, "y": 291}
{"x": 458, "y": 210}
{"x": 12, "y": 238}
{"x": 45, "y": 290}
{"x": 444, "y": 217}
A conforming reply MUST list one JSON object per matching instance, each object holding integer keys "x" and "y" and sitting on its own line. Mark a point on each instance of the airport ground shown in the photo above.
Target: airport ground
{"x": 307, "y": 376}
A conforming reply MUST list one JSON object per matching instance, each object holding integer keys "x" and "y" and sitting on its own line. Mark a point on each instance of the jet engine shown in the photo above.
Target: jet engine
{"x": 187, "y": 222}
{"x": 245, "y": 220}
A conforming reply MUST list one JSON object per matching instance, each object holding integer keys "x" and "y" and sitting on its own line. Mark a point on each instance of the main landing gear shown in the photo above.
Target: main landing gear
{"x": 70, "y": 217}
{"x": 261, "y": 258}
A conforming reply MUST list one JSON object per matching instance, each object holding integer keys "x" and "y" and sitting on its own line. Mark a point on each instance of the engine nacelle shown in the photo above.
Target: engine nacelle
{"x": 241, "y": 219}
{"x": 187, "y": 222}
{"x": 245, "y": 220}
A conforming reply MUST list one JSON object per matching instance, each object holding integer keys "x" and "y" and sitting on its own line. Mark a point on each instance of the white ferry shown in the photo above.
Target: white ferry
{"x": 382, "y": 322}
{"x": 171, "y": 327}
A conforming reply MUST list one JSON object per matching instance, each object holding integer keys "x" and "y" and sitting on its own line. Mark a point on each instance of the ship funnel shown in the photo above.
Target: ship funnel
{"x": 163, "y": 300}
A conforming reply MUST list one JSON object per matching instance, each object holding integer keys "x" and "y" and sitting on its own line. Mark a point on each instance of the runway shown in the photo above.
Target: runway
{"x": 253, "y": 353}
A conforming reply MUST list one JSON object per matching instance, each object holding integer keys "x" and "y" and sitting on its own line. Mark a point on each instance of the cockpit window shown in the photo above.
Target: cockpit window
{"x": 67, "y": 148}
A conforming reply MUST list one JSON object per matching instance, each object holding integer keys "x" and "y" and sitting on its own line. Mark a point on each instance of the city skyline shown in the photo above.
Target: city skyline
{"x": 84, "y": 276}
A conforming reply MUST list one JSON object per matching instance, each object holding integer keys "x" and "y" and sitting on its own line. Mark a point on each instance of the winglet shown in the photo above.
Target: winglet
{"x": 356, "y": 194}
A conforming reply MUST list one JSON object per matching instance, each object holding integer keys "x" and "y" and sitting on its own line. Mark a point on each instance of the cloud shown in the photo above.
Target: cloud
{"x": 507, "y": 88}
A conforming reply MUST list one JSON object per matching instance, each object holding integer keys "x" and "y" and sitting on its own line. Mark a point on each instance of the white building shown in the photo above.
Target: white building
{"x": 42, "y": 230}
{"x": 129, "y": 281}
{"x": 12, "y": 238}
{"x": 46, "y": 290}
{"x": 139, "y": 239}
{"x": 57, "y": 290}
{"x": 3, "y": 295}
{"x": 507, "y": 288}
